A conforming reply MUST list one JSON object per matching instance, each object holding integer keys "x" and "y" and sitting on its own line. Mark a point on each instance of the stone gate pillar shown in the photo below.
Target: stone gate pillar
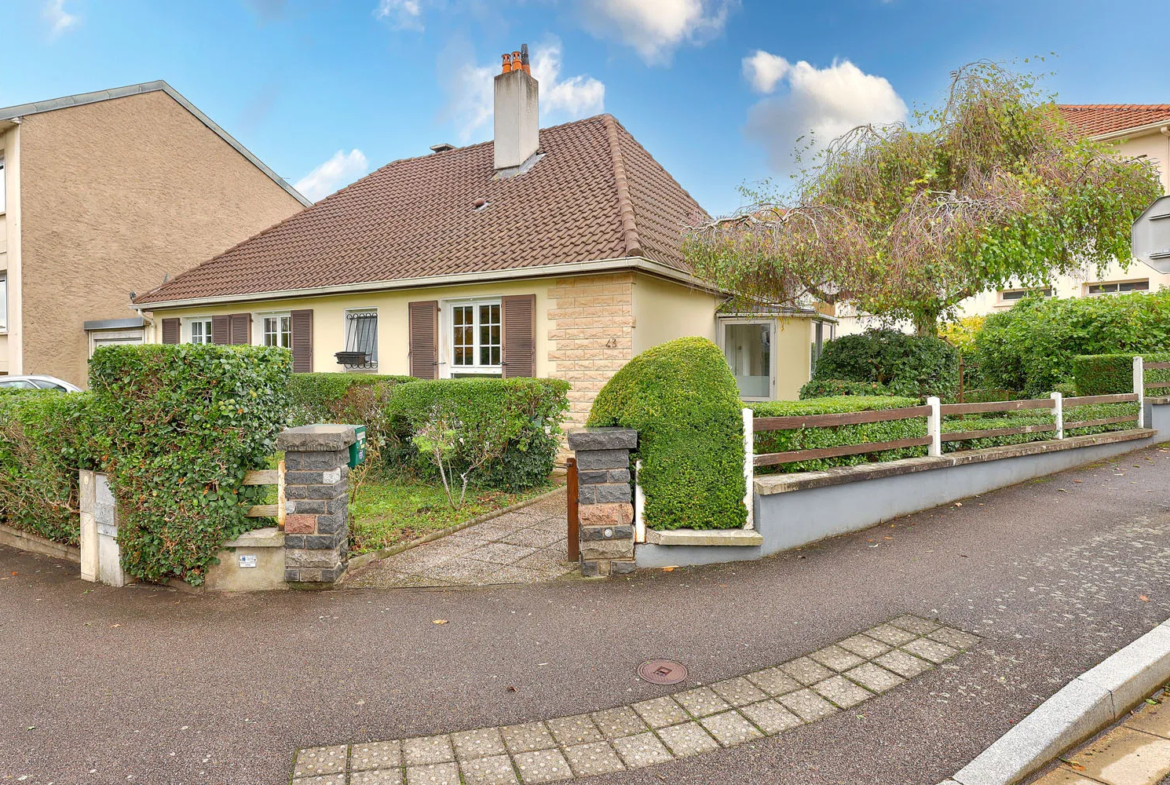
{"x": 605, "y": 499}
{"x": 316, "y": 499}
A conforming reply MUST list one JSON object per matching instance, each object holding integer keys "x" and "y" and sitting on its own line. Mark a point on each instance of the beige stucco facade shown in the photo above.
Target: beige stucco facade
{"x": 108, "y": 198}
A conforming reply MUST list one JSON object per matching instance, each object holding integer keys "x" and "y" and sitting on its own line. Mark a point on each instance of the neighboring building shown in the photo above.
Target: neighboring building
{"x": 1140, "y": 131}
{"x": 105, "y": 194}
{"x": 554, "y": 252}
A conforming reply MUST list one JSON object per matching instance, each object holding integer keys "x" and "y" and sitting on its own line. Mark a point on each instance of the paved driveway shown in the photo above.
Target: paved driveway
{"x": 148, "y": 685}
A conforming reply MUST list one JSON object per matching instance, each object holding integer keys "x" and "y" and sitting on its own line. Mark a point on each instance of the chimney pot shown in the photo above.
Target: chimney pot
{"x": 507, "y": 63}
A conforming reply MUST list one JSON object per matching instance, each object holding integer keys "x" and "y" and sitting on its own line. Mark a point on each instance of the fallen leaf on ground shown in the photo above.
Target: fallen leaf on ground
{"x": 439, "y": 621}
{"x": 112, "y": 626}
{"x": 1143, "y": 598}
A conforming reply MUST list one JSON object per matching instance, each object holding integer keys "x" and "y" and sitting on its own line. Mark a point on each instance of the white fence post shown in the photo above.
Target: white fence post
{"x": 1139, "y": 389}
{"x": 749, "y": 467}
{"x": 639, "y": 505}
{"x": 1058, "y": 414}
{"x": 934, "y": 427}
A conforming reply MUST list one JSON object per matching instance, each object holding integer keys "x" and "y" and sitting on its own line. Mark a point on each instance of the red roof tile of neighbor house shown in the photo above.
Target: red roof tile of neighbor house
{"x": 595, "y": 195}
{"x": 1097, "y": 119}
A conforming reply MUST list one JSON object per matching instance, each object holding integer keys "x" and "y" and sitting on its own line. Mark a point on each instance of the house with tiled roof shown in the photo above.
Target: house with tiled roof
{"x": 545, "y": 252}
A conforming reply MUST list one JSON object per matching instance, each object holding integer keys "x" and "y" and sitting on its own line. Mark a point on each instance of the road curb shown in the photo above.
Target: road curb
{"x": 1088, "y": 703}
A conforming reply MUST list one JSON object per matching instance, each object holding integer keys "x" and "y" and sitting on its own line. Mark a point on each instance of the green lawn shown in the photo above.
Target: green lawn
{"x": 392, "y": 511}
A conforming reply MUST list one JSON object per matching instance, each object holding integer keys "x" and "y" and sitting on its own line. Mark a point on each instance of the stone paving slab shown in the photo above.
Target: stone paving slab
{"x": 690, "y": 721}
{"x": 524, "y": 546}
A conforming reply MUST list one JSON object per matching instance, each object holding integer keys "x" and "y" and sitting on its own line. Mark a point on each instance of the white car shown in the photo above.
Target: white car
{"x": 37, "y": 383}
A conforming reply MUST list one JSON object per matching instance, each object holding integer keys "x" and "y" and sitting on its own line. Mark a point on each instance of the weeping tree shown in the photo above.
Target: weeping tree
{"x": 904, "y": 222}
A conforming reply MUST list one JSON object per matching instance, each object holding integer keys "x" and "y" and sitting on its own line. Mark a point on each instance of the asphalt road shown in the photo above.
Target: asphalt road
{"x": 148, "y": 685}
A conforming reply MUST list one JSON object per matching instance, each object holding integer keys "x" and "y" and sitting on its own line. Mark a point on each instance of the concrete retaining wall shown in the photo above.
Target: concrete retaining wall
{"x": 797, "y": 509}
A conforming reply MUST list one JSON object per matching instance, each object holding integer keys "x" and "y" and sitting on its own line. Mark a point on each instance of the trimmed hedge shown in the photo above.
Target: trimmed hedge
{"x": 326, "y": 397}
{"x": 909, "y": 365}
{"x": 1032, "y": 346}
{"x": 833, "y": 388}
{"x": 525, "y": 413}
{"x": 178, "y": 427}
{"x": 682, "y": 399}
{"x": 1111, "y": 374}
{"x": 44, "y": 438}
{"x": 816, "y": 438}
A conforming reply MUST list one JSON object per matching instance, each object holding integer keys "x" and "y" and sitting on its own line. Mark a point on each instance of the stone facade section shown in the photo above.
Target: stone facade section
{"x": 316, "y": 493}
{"x": 590, "y": 334}
{"x": 605, "y": 502}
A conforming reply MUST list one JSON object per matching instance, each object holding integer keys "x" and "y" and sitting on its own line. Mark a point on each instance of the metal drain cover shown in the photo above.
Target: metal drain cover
{"x": 663, "y": 671}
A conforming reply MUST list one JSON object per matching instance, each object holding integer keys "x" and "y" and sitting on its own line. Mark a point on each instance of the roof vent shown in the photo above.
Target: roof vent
{"x": 480, "y": 204}
{"x": 442, "y": 147}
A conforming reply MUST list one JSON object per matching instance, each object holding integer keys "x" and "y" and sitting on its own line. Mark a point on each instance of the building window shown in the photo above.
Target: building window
{"x": 476, "y": 338}
{"x": 748, "y": 348}
{"x": 1119, "y": 287}
{"x": 3, "y": 302}
{"x": 3, "y": 190}
{"x": 199, "y": 330}
{"x": 278, "y": 330}
{"x": 361, "y": 337}
{"x": 1012, "y": 295}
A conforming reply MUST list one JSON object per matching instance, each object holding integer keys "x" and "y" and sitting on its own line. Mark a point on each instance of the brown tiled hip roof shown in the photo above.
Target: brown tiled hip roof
{"x": 595, "y": 195}
{"x": 1098, "y": 119}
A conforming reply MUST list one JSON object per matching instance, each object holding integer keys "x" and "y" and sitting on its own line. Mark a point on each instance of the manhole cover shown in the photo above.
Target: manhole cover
{"x": 663, "y": 671}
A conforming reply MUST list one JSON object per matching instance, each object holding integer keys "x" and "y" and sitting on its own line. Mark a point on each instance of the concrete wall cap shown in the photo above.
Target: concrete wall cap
{"x": 602, "y": 439}
{"x": 316, "y": 438}
{"x": 269, "y": 537}
{"x": 712, "y": 537}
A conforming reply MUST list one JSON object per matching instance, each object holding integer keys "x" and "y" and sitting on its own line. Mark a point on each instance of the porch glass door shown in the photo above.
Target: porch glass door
{"x": 748, "y": 348}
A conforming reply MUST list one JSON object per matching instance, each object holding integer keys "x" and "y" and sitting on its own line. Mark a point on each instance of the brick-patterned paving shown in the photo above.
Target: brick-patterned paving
{"x": 591, "y": 334}
{"x": 691, "y": 721}
{"x": 523, "y": 546}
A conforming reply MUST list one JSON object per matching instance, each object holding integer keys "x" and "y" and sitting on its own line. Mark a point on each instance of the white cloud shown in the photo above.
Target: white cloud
{"x": 340, "y": 170}
{"x": 472, "y": 96}
{"x": 57, "y": 18}
{"x": 401, "y": 14}
{"x": 655, "y": 28}
{"x": 819, "y": 105}
{"x": 765, "y": 70}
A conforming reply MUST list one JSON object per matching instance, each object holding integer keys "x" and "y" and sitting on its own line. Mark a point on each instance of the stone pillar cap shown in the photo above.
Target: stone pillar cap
{"x": 316, "y": 438}
{"x": 602, "y": 439}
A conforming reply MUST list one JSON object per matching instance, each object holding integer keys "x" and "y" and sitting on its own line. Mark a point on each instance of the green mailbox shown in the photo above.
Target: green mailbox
{"x": 357, "y": 450}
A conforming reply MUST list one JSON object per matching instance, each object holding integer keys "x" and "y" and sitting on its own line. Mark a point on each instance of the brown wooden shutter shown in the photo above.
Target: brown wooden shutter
{"x": 241, "y": 329}
{"x": 221, "y": 330}
{"x": 302, "y": 341}
{"x": 519, "y": 335}
{"x": 170, "y": 330}
{"x": 424, "y": 339}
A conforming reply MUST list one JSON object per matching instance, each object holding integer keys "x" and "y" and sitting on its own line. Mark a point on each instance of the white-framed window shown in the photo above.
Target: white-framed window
{"x": 823, "y": 332}
{"x": 1118, "y": 287}
{"x": 3, "y": 188}
{"x": 277, "y": 330}
{"x": 476, "y": 337}
{"x": 361, "y": 336}
{"x": 3, "y": 301}
{"x": 1012, "y": 295}
{"x": 199, "y": 330}
{"x": 749, "y": 346}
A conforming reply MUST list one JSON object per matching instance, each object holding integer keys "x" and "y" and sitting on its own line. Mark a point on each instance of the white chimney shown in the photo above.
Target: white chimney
{"x": 517, "y": 115}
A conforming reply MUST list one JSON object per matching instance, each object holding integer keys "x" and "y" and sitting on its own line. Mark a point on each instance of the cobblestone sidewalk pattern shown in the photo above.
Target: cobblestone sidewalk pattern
{"x": 690, "y": 722}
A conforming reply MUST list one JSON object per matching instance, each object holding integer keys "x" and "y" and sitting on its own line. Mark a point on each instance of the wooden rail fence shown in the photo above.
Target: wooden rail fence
{"x": 268, "y": 477}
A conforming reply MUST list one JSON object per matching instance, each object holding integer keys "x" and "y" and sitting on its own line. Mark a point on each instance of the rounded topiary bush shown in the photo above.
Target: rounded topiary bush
{"x": 912, "y": 365}
{"x": 683, "y": 401}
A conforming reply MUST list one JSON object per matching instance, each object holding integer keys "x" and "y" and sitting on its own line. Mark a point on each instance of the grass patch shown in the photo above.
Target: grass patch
{"x": 391, "y": 511}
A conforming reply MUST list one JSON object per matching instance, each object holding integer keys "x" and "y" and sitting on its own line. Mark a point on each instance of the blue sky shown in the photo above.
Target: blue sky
{"x": 717, "y": 90}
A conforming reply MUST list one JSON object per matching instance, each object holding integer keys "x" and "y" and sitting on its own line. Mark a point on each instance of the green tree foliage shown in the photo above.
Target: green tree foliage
{"x": 902, "y": 364}
{"x": 682, "y": 400}
{"x": 1031, "y": 347}
{"x": 177, "y": 427}
{"x": 990, "y": 188}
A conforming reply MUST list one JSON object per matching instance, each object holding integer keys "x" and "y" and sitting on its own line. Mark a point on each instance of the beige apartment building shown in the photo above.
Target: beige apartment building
{"x": 107, "y": 194}
{"x": 1140, "y": 131}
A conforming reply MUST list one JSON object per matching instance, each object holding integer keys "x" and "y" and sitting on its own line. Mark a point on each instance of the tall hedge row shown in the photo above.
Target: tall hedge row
{"x": 177, "y": 427}
{"x": 895, "y": 363}
{"x": 1031, "y": 348}
{"x": 1110, "y": 374}
{"x": 44, "y": 438}
{"x": 682, "y": 399}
